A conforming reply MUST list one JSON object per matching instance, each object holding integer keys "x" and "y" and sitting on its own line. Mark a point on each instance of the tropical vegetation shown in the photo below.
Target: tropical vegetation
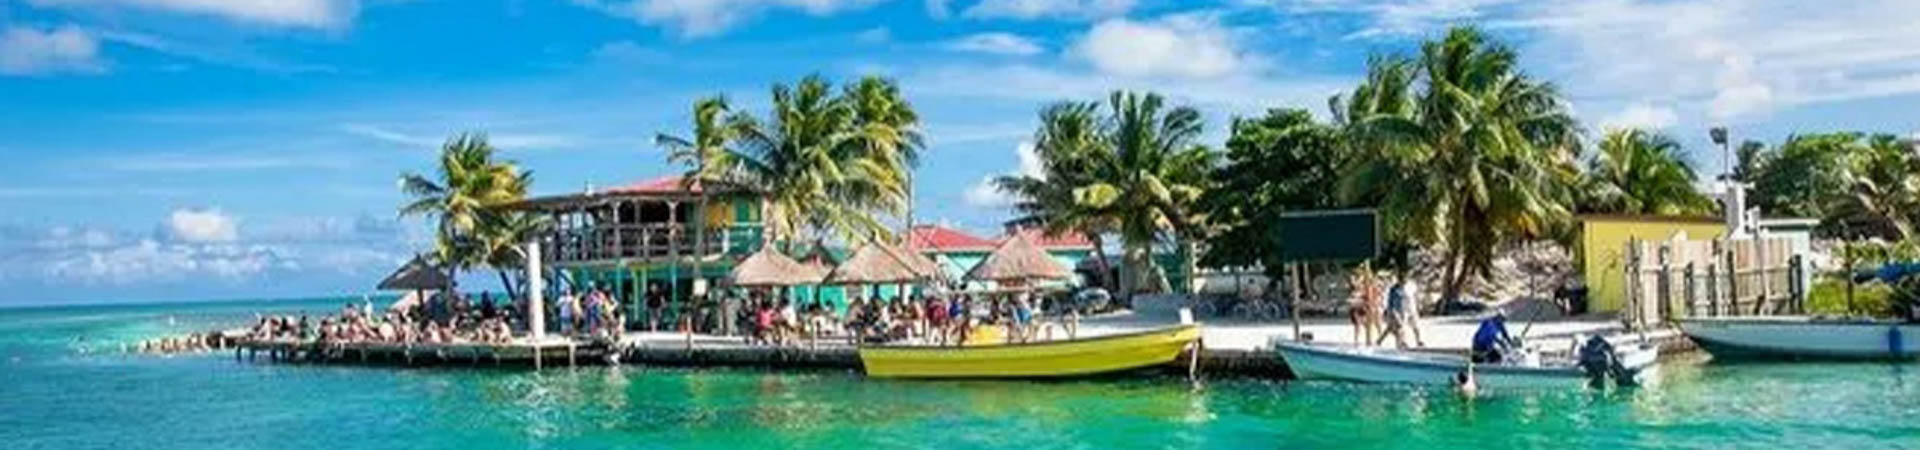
{"x": 1134, "y": 167}
{"x": 825, "y": 160}
{"x": 1638, "y": 172}
{"x": 465, "y": 199}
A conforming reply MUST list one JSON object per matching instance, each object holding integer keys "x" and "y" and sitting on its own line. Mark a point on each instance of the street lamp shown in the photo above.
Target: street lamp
{"x": 1719, "y": 135}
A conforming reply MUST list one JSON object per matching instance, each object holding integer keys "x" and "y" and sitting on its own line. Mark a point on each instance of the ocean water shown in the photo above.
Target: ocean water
{"x": 64, "y": 384}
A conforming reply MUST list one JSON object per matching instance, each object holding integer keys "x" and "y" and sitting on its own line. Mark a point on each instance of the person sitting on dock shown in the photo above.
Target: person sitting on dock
{"x": 1491, "y": 340}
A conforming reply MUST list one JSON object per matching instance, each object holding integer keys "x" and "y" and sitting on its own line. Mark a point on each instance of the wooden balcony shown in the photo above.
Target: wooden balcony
{"x": 627, "y": 243}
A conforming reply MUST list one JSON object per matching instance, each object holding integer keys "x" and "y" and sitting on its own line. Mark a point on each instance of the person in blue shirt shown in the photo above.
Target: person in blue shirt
{"x": 1491, "y": 339}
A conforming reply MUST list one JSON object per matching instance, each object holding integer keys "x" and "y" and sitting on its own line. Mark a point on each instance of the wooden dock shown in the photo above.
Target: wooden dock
{"x": 682, "y": 350}
{"x": 519, "y": 353}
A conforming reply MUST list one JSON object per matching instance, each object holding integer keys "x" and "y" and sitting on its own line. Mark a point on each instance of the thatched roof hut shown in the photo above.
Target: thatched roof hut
{"x": 416, "y": 275}
{"x": 770, "y": 268}
{"x": 1018, "y": 260}
{"x": 879, "y": 263}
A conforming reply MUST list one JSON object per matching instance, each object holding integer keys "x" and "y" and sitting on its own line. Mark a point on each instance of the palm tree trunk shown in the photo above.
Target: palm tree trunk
{"x": 506, "y": 282}
{"x": 1104, "y": 265}
{"x": 1190, "y": 264}
{"x": 1130, "y": 271}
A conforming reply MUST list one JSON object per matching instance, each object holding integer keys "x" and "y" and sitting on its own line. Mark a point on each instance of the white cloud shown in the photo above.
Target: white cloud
{"x": 703, "y": 18}
{"x": 68, "y": 256}
{"x": 1030, "y": 163}
{"x": 996, "y": 43}
{"x": 191, "y": 162}
{"x": 1732, "y": 59}
{"x": 875, "y": 35}
{"x": 67, "y": 49}
{"x": 1034, "y": 9}
{"x": 1642, "y": 116}
{"x": 286, "y": 13}
{"x": 984, "y": 194}
{"x": 507, "y": 141}
{"x": 201, "y": 226}
{"x": 1240, "y": 93}
{"x": 937, "y": 9}
{"x": 1184, "y": 46}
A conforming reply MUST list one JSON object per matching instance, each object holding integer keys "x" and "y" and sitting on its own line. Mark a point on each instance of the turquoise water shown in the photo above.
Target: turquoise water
{"x": 66, "y": 386}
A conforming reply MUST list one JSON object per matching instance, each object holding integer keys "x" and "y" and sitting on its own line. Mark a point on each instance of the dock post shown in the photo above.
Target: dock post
{"x": 570, "y": 354}
{"x": 536, "y": 292}
{"x": 536, "y": 356}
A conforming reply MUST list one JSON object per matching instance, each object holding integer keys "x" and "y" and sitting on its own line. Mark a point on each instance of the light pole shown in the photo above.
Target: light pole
{"x": 1719, "y": 135}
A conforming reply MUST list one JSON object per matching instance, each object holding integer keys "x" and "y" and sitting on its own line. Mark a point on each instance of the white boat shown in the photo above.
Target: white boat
{"x": 1381, "y": 365}
{"x": 1803, "y": 337}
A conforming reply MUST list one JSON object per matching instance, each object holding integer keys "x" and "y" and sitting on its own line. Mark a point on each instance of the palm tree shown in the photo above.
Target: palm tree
{"x": 1138, "y": 171}
{"x": 1636, "y": 172}
{"x": 824, "y": 163}
{"x": 709, "y": 143}
{"x": 500, "y": 237}
{"x": 1482, "y": 159}
{"x": 1883, "y": 187}
{"x": 469, "y": 186}
{"x": 1066, "y": 145}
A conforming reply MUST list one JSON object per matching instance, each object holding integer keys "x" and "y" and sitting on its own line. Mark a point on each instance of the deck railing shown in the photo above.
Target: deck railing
{"x": 647, "y": 241}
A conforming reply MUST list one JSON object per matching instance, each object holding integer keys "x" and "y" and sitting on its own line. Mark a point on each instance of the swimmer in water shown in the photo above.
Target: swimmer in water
{"x": 1464, "y": 383}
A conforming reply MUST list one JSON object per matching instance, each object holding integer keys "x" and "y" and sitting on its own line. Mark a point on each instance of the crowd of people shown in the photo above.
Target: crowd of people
{"x": 935, "y": 320}
{"x": 439, "y": 319}
{"x": 594, "y": 312}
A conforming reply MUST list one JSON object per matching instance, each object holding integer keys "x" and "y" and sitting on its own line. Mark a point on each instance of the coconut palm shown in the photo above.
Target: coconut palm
{"x": 1485, "y": 154}
{"x": 469, "y": 185}
{"x": 825, "y": 163}
{"x": 1138, "y": 171}
{"x": 500, "y": 237}
{"x": 1066, "y": 143}
{"x": 1883, "y": 187}
{"x": 709, "y": 143}
{"x": 1637, "y": 172}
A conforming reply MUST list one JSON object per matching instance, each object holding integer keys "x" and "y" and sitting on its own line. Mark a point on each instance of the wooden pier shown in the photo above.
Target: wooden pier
{"x": 519, "y": 353}
{"x": 682, "y": 350}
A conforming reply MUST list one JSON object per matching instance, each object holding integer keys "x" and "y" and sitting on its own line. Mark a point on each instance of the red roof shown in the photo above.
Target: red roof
{"x": 1063, "y": 241}
{"x": 669, "y": 184}
{"x": 938, "y": 238}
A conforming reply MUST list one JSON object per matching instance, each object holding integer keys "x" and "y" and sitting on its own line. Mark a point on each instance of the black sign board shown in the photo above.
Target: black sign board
{"x": 1342, "y": 235}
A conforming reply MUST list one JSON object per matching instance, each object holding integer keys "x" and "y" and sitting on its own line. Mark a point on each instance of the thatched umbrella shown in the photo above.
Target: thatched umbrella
{"x": 769, "y": 268}
{"x": 926, "y": 267}
{"x": 1017, "y": 261}
{"x": 878, "y": 263}
{"x": 416, "y": 275}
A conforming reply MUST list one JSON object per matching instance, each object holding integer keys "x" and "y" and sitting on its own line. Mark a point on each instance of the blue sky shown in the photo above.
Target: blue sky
{"x": 186, "y": 149}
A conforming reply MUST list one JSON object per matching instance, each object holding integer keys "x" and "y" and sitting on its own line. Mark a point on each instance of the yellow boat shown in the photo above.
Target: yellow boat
{"x": 1034, "y": 359}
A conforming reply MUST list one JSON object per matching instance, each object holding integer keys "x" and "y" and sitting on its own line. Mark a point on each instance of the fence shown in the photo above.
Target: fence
{"x": 1679, "y": 278}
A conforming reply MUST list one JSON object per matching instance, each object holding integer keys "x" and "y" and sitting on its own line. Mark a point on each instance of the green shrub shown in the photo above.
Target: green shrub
{"x": 1829, "y": 297}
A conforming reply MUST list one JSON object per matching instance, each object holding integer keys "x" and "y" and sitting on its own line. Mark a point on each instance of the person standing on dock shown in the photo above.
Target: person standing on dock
{"x": 729, "y": 313}
{"x": 656, "y": 304}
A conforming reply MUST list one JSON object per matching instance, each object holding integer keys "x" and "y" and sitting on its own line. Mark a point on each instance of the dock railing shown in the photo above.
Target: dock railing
{"x": 622, "y": 242}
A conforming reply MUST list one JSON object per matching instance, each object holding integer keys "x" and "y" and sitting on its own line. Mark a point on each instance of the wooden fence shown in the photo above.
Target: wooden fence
{"x": 1680, "y": 278}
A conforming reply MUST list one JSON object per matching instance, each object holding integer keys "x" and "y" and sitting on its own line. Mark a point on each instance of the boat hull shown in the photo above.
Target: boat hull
{"x": 1078, "y": 357}
{"x": 1310, "y": 361}
{"x": 1803, "y": 338}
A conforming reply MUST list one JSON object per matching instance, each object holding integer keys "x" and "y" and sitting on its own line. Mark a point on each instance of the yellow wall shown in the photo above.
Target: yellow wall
{"x": 1603, "y": 247}
{"x": 719, "y": 212}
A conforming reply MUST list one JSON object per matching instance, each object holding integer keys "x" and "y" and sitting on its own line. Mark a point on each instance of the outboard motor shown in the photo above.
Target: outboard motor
{"x": 1598, "y": 359}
